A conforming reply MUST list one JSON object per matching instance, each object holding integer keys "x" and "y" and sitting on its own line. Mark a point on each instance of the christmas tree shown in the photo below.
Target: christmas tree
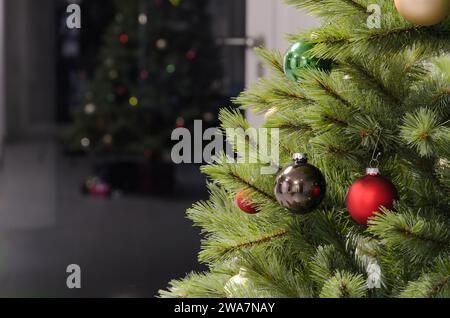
{"x": 158, "y": 69}
{"x": 367, "y": 89}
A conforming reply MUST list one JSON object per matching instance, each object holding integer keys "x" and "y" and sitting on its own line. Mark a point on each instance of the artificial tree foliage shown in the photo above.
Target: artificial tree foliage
{"x": 388, "y": 92}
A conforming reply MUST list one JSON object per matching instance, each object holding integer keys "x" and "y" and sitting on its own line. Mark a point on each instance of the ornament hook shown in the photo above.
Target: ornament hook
{"x": 375, "y": 162}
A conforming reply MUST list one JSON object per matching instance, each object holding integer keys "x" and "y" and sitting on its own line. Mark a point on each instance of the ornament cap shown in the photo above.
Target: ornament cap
{"x": 373, "y": 171}
{"x": 242, "y": 272}
{"x": 300, "y": 158}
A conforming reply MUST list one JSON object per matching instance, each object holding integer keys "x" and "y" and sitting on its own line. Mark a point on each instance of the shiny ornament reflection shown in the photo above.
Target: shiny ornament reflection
{"x": 237, "y": 284}
{"x": 300, "y": 187}
{"x": 298, "y": 58}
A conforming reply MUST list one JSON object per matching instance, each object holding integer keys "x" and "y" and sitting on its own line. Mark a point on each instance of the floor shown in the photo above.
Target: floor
{"x": 126, "y": 247}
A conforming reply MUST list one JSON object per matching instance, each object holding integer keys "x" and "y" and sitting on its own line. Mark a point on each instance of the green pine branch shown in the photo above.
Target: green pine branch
{"x": 227, "y": 230}
{"x": 210, "y": 285}
{"x": 415, "y": 237}
{"x": 344, "y": 285}
{"x": 434, "y": 283}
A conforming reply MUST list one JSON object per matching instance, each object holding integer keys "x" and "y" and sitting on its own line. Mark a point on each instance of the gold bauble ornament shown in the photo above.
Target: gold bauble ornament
{"x": 237, "y": 284}
{"x": 423, "y": 12}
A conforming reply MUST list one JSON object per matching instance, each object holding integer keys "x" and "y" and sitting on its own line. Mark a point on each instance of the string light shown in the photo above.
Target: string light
{"x": 270, "y": 112}
{"x": 142, "y": 19}
{"x": 113, "y": 74}
{"x": 107, "y": 139}
{"x": 89, "y": 109}
{"x": 109, "y": 62}
{"x": 119, "y": 17}
{"x": 85, "y": 142}
{"x": 111, "y": 98}
{"x": 208, "y": 116}
{"x": 175, "y": 3}
{"x": 161, "y": 44}
{"x": 171, "y": 68}
{"x": 134, "y": 101}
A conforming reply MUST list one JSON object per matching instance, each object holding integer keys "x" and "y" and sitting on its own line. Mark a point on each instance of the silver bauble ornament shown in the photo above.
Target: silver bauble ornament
{"x": 300, "y": 187}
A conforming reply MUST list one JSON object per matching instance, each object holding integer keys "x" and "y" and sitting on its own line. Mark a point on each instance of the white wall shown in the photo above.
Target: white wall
{"x": 271, "y": 20}
{"x": 2, "y": 82}
{"x": 29, "y": 31}
{"x": 28, "y": 165}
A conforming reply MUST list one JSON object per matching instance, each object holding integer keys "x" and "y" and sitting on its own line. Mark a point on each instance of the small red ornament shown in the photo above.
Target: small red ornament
{"x": 369, "y": 194}
{"x": 144, "y": 75}
{"x": 180, "y": 123}
{"x": 121, "y": 91}
{"x": 191, "y": 54}
{"x": 148, "y": 154}
{"x": 244, "y": 204}
{"x": 124, "y": 39}
{"x": 100, "y": 124}
{"x": 101, "y": 189}
{"x": 96, "y": 187}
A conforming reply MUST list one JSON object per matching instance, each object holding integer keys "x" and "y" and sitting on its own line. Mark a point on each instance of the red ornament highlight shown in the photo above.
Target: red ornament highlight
{"x": 316, "y": 191}
{"x": 369, "y": 194}
{"x": 244, "y": 204}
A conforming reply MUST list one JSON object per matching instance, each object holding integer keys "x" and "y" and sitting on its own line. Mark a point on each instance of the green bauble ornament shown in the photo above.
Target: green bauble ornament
{"x": 298, "y": 57}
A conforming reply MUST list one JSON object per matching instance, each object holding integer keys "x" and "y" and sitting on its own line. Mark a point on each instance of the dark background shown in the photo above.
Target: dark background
{"x": 128, "y": 246}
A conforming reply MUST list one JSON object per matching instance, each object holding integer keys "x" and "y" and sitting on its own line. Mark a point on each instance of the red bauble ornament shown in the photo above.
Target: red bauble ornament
{"x": 144, "y": 75}
{"x": 191, "y": 54}
{"x": 148, "y": 154}
{"x": 368, "y": 194}
{"x": 121, "y": 91}
{"x": 96, "y": 187}
{"x": 101, "y": 189}
{"x": 244, "y": 204}
{"x": 124, "y": 39}
{"x": 100, "y": 124}
{"x": 180, "y": 123}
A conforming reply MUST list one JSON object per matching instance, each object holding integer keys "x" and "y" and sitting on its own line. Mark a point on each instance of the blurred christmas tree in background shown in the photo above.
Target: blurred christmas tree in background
{"x": 158, "y": 70}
